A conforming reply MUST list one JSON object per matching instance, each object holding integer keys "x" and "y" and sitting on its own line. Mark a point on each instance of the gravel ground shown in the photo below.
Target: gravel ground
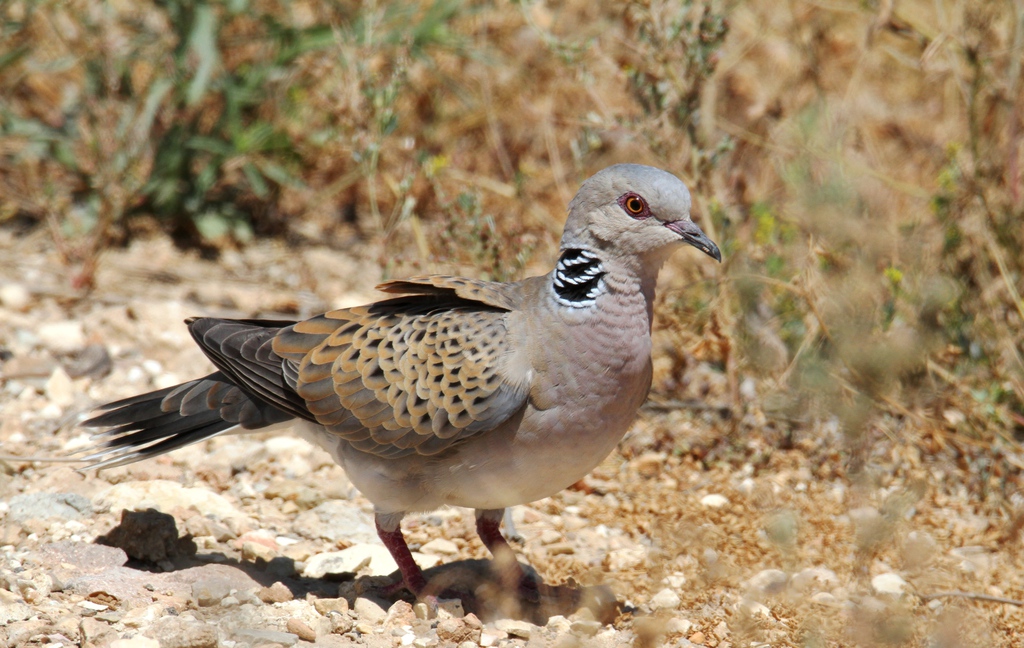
{"x": 262, "y": 540}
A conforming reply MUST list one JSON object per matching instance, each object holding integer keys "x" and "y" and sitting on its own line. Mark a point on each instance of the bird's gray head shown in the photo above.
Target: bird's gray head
{"x": 634, "y": 209}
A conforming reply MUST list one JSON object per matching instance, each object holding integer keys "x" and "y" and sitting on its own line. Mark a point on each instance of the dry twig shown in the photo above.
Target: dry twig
{"x": 971, "y": 595}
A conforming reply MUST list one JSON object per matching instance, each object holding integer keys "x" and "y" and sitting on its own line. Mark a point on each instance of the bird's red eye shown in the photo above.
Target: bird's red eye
{"x": 634, "y": 205}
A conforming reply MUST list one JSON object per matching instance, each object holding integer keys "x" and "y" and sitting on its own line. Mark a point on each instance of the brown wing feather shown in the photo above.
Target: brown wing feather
{"x": 413, "y": 374}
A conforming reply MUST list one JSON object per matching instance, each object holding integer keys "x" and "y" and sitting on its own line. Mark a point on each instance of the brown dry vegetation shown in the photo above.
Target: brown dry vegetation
{"x": 858, "y": 163}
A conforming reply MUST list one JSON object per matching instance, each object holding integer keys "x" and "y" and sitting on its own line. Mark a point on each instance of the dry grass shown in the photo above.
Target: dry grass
{"x": 859, "y": 163}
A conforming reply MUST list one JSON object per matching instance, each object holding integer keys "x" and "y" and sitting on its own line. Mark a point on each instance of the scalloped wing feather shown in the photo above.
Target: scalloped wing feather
{"x": 414, "y": 374}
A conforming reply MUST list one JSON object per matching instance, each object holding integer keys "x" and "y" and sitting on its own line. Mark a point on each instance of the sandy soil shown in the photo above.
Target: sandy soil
{"x": 707, "y": 529}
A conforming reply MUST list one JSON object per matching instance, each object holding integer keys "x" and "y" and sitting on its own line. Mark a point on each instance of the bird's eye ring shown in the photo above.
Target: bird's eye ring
{"x": 634, "y": 205}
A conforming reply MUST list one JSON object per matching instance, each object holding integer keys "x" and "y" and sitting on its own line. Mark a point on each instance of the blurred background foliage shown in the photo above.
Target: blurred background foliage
{"x": 858, "y": 162}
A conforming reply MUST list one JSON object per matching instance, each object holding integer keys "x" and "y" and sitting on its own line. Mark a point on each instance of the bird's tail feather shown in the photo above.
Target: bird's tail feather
{"x": 152, "y": 424}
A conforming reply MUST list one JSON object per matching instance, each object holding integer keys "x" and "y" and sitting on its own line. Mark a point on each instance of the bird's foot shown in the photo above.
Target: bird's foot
{"x": 529, "y": 586}
{"x": 396, "y": 588}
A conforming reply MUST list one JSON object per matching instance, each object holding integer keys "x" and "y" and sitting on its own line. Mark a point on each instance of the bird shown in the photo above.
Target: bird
{"x": 448, "y": 391}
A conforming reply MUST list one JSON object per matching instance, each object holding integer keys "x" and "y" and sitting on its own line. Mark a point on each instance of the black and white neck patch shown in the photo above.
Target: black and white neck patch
{"x": 579, "y": 278}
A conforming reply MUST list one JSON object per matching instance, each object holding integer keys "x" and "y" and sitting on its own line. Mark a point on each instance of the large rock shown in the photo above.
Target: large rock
{"x": 337, "y": 521}
{"x": 41, "y": 506}
{"x": 164, "y": 495}
{"x": 374, "y": 557}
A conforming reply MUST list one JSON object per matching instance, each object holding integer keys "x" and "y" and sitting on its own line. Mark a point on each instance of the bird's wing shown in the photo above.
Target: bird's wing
{"x": 243, "y": 351}
{"x": 413, "y": 374}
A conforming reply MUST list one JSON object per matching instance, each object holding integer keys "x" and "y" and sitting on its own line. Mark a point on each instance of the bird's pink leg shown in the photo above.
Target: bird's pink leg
{"x": 488, "y": 527}
{"x": 395, "y": 542}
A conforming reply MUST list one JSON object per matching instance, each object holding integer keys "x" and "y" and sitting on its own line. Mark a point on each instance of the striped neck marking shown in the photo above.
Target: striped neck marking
{"x": 578, "y": 278}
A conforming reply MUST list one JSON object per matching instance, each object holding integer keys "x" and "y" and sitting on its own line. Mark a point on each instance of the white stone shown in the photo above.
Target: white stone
{"x": 59, "y": 388}
{"x": 92, "y": 607}
{"x": 62, "y": 337}
{"x": 516, "y": 628}
{"x": 369, "y": 610}
{"x": 865, "y": 517}
{"x": 755, "y": 609}
{"x": 164, "y": 495}
{"x": 51, "y": 411}
{"x": 76, "y": 443}
{"x": 666, "y": 599}
{"x": 153, "y": 367}
{"x": 375, "y": 558}
{"x": 747, "y": 486}
{"x": 714, "y": 500}
{"x": 11, "y": 611}
{"x": 814, "y": 577}
{"x": 972, "y": 558}
{"x": 889, "y": 583}
{"x": 15, "y": 296}
{"x": 825, "y": 598}
{"x": 351, "y": 560}
{"x": 678, "y": 626}
{"x": 440, "y": 547}
{"x": 768, "y": 581}
{"x": 675, "y": 580}
{"x": 626, "y": 558}
{"x": 558, "y": 623}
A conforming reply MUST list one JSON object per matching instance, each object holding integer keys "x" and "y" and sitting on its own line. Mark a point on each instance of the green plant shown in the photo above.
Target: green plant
{"x": 679, "y": 41}
{"x": 211, "y": 165}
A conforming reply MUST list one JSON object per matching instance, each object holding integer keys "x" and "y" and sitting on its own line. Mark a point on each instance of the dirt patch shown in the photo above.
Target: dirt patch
{"x": 731, "y": 542}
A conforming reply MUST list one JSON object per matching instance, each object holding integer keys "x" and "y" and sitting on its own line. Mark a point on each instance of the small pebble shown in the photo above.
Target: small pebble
{"x": 586, "y": 627}
{"x": 15, "y": 296}
{"x": 440, "y": 547}
{"x": 722, "y": 630}
{"x": 516, "y": 628}
{"x": 714, "y": 500}
{"x": 369, "y": 610}
{"x": 362, "y": 627}
{"x": 768, "y": 582}
{"x": 276, "y": 593}
{"x": 491, "y": 637}
{"x": 754, "y": 609}
{"x": 558, "y": 624}
{"x": 254, "y": 551}
{"x": 666, "y": 599}
{"x": 814, "y": 577}
{"x": 889, "y": 583}
{"x": 327, "y": 605}
{"x": 59, "y": 389}
{"x": 824, "y": 598}
{"x": 62, "y": 337}
{"x": 421, "y": 611}
{"x": 299, "y": 628}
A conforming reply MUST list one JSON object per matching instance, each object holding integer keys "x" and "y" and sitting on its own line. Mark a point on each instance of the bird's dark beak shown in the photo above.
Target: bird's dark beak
{"x": 693, "y": 235}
